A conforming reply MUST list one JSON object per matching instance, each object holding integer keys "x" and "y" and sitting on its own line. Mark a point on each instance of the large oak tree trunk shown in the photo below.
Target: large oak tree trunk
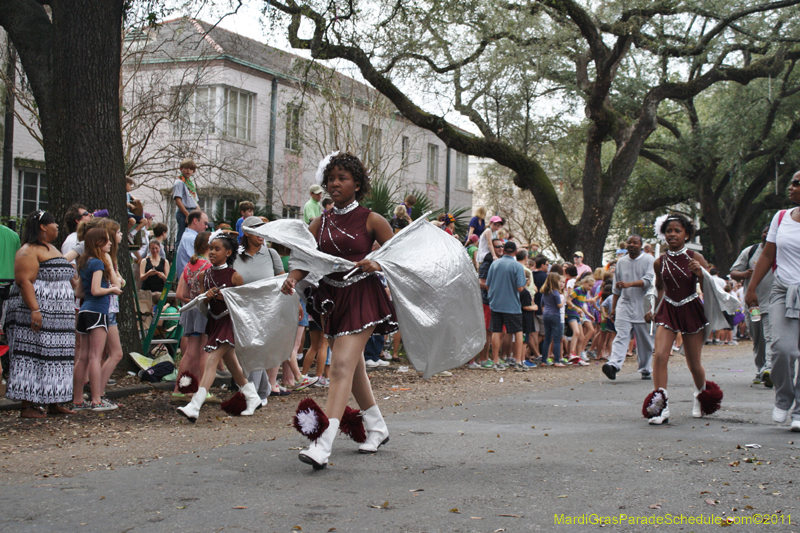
{"x": 72, "y": 61}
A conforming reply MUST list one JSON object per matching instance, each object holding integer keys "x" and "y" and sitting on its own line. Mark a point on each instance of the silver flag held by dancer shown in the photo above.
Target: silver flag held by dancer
{"x": 264, "y": 322}
{"x": 434, "y": 288}
{"x": 436, "y": 296}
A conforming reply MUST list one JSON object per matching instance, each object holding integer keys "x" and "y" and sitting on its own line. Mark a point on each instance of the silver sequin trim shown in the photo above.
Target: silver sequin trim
{"x": 384, "y": 319}
{"x": 348, "y": 281}
{"x": 210, "y": 347}
{"x": 682, "y": 302}
{"x": 678, "y": 252}
{"x": 682, "y": 332}
{"x": 345, "y": 210}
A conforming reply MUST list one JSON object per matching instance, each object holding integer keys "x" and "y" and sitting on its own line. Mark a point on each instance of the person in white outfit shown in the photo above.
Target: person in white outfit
{"x": 782, "y": 251}
{"x": 633, "y": 278}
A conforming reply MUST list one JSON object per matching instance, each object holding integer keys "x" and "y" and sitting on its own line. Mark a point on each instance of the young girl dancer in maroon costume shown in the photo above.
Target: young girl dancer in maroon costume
{"x": 677, "y": 274}
{"x": 353, "y": 308}
{"x": 219, "y": 328}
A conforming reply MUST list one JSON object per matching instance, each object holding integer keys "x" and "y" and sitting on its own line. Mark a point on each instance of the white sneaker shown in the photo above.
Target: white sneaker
{"x": 584, "y": 356}
{"x": 371, "y": 364}
{"x": 779, "y": 415}
{"x": 796, "y": 426}
{"x": 387, "y": 356}
{"x": 382, "y": 362}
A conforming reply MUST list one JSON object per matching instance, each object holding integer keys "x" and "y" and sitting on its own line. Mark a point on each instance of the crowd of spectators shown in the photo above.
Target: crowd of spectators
{"x": 537, "y": 312}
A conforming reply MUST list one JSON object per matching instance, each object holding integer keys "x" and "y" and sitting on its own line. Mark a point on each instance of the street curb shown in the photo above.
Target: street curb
{"x": 113, "y": 394}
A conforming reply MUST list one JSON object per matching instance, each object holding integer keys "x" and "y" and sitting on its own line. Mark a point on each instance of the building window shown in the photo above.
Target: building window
{"x": 225, "y": 210}
{"x": 208, "y": 110}
{"x": 32, "y": 191}
{"x": 291, "y": 211}
{"x": 405, "y": 146}
{"x": 433, "y": 163}
{"x": 237, "y": 114}
{"x": 462, "y": 171}
{"x": 203, "y": 202}
{"x": 294, "y": 114}
{"x": 370, "y": 145}
{"x": 197, "y": 113}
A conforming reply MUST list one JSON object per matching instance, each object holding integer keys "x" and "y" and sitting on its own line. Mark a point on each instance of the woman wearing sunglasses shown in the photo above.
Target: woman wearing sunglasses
{"x": 782, "y": 253}
{"x": 76, "y": 214}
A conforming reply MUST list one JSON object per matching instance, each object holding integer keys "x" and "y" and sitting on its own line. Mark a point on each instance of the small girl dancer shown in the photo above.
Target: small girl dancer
{"x": 222, "y": 249}
{"x": 678, "y": 272}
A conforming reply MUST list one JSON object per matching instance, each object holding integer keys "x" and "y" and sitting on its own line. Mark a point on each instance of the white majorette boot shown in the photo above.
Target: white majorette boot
{"x": 656, "y": 407}
{"x": 697, "y": 412}
{"x": 377, "y": 432}
{"x": 192, "y": 409}
{"x": 707, "y": 400}
{"x": 252, "y": 397}
{"x": 318, "y": 451}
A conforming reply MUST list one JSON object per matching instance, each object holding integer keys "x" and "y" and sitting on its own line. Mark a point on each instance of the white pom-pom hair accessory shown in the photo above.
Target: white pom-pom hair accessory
{"x": 322, "y": 165}
{"x": 660, "y": 222}
{"x": 215, "y": 235}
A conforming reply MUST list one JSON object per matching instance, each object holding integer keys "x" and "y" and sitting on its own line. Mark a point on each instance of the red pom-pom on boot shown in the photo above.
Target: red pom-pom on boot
{"x": 309, "y": 420}
{"x": 352, "y": 425}
{"x": 708, "y": 400}
{"x": 188, "y": 383}
{"x": 656, "y": 407}
{"x": 235, "y": 404}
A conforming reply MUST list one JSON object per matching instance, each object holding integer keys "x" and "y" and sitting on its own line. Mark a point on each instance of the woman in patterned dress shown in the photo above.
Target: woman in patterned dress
{"x": 40, "y": 322}
{"x": 353, "y": 309}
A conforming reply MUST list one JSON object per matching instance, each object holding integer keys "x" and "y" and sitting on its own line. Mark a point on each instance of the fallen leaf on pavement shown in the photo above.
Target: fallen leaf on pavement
{"x": 709, "y": 501}
{"x": 384, "y": 505}
{"x": 455, "y": 510}
{"x": 655, "y": 506}
{"x": 511, "y": 515}
{"x": 417, "y": 490}
{"x": 240, "y": 507}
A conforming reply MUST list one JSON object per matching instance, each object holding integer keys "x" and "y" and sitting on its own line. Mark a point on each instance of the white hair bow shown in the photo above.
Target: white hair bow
{"x": 322, "y": 165}
{"x": 216, "y": 235}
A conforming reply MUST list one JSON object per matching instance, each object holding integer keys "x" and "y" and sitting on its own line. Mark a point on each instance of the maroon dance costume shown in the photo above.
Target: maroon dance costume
{"x": 218, "y": 328}
{"x": 682, "y": 309}
{"x": 352, "y": 305}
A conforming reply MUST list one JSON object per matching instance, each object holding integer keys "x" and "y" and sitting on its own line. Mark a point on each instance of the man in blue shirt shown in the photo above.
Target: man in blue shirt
{"x": 196, "y": 222}
{"x": 505, "y": 280}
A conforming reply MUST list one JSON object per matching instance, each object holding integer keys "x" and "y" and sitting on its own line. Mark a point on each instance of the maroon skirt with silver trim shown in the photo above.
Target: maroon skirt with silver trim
{"x": 349, "y": 308}
{"x": 688, "y": 318}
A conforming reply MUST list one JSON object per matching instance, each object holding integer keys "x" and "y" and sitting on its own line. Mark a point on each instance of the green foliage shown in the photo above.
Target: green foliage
{"x": 381, "y": 198}
{"x": 423, "y": 205}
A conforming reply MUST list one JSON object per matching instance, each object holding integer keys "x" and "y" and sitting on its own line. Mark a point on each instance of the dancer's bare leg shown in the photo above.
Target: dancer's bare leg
{"x": 229, "y": 356}
{"x": 194, "y": 357}
{"x": 663, "y": 346}
{"x": 693, "y": 346}
{"x": 348, "y": 373}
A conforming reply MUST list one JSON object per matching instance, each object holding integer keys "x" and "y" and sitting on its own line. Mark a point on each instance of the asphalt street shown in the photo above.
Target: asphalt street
{"x": 529, "y": 462}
